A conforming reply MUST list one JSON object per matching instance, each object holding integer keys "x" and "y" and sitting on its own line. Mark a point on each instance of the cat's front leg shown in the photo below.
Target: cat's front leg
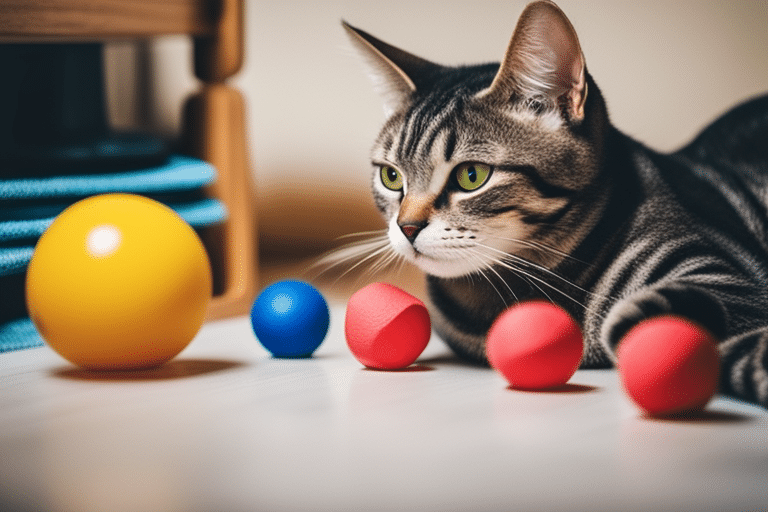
{"x": 744, "y": 366}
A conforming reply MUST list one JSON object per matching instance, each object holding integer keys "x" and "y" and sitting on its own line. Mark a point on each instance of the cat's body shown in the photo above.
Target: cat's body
{"x": 507, "y": 183}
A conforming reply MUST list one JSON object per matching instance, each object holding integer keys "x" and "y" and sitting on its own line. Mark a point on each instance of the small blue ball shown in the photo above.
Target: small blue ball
{"x": 290, "y": 319}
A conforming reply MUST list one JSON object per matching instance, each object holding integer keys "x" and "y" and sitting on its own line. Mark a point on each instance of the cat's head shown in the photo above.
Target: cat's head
{"x": 479, "y": 164}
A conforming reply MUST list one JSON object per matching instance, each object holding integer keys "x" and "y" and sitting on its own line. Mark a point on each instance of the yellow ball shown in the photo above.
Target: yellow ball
{"x": 118, "y": 282}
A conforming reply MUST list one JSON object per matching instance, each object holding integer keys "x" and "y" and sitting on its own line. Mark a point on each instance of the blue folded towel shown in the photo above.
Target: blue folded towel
{"x": 178, "y": 174}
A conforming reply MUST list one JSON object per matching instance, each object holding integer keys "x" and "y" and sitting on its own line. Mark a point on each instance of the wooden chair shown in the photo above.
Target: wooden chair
{"x": 214, "y": 126}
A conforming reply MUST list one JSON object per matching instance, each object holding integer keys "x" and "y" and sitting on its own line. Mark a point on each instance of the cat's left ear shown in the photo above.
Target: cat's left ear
{"x": 543, "y": 62}
{"x": 397, "y": 74}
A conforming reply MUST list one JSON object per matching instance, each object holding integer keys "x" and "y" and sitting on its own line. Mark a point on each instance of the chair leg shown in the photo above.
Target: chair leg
{"x": 215, "y": 132}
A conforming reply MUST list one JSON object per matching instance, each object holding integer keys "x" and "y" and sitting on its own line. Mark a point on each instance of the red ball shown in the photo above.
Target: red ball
{"x": 535, "y": 345}
{"x": 386, "y": 328}
{"x": 669, "y": 365}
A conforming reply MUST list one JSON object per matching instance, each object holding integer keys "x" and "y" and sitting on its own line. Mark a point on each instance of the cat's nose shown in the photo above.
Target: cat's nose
{"x": 415, "y": 211}
{"x": 411, "y": 231}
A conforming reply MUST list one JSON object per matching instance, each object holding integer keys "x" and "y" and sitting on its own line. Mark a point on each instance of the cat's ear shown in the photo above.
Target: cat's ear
{"x": 543, "y": 62}
{"x": 397, "y": 74}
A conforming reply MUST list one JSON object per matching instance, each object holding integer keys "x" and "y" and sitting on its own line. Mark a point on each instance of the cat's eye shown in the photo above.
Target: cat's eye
{"x": 391, "y": 178}
{"x": 472, "y": 176}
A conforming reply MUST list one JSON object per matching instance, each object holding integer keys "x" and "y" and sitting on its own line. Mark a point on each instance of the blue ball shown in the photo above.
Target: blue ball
{"x": 290, "y": 319}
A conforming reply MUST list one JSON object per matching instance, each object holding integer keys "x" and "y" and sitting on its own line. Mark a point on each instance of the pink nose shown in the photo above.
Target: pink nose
{"x": 410, "y": 231}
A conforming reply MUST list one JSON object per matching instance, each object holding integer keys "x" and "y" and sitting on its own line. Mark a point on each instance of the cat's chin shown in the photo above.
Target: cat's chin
{"x": 444, "y": 269}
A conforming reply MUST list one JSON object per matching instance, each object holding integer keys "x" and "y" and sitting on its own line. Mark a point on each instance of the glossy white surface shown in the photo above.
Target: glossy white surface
{"x": 224, "y": 427}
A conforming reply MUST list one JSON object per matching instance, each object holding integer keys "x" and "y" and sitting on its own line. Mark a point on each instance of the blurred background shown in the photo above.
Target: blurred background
{"x": 665, "y": 68}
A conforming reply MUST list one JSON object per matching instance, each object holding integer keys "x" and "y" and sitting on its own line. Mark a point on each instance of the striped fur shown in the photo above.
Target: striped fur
{"x": 574, "y": 212}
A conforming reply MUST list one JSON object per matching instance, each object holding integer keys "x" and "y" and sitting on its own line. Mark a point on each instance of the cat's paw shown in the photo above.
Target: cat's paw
{"x": 677, "y": 300}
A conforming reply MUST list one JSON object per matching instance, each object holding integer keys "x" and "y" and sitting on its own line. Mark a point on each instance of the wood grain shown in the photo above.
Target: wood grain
{"x": 219, "y": 56}
{"x": 215, "y": 131}
{"x": 25, "y": 20}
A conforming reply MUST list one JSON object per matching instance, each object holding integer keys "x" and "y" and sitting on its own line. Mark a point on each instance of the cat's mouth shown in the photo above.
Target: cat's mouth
{"x": 437, "y": 254}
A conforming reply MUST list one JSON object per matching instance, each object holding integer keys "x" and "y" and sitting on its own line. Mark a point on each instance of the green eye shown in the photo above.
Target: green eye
{"x": 472, "y": 176}
{"x": 391, "y": 178}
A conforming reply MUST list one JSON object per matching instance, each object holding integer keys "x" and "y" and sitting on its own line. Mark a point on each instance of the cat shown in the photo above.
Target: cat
{"x": 507, "y": 182}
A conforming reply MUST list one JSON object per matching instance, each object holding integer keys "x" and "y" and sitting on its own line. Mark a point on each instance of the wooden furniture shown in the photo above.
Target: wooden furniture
{"x": 214, "y": 127}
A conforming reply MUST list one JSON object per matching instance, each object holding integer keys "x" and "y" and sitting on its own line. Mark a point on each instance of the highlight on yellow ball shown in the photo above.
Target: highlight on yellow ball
{"x": 118, "y": 282}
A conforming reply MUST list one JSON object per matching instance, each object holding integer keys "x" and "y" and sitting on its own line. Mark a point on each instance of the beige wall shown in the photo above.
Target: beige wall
{"x": 666, "y": 69}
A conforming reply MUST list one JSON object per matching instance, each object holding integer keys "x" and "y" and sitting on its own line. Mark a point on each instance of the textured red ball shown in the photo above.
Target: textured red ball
{"x": 535, "y": 345}
{"x": 669, "y": 365}
{"x": 386, "y": 328}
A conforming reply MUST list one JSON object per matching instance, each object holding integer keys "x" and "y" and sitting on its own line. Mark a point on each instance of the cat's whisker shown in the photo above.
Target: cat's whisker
{"x": 521, "y": 273}
{"x": 360, "y": 251}
{"x": 557, "y": 276}
{"x": 481, "y": 268}
{"x": 533, "y": 283}
{"x": 377, "y": 241}
{"x": 382, "y": 261}
{"x": 501, "y": 295}
{"x": 528, "y": 279}
{"x": 536, "y": 266}
{"x": 377, "y": 232}
{"x": 348, "y": 252}
{"x": 490, "y": 268}
{"x": 371, "y": 255}
{"x": 541, "y": 247}
{"x": 386, "y": 260}
{"x": 506, "y": 260}
{"x": 401, "y": 264}
{"x": 509, "y": 266}
{"x": 374, "y": 254}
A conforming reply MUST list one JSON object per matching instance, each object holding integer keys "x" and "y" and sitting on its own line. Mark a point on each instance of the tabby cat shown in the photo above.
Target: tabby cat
{"x": 507, "y": 182}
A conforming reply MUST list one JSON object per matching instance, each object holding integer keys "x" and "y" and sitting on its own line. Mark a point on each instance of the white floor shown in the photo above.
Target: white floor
{"x": 224, "y": 427}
